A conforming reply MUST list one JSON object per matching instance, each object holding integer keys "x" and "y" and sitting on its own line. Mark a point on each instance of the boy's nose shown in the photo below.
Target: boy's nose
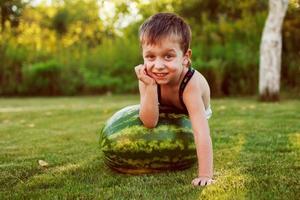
{"x": 159, "y": 64}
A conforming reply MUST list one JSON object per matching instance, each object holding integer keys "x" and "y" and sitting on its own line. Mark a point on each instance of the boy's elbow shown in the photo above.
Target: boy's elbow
{"x": 149, "y": 123}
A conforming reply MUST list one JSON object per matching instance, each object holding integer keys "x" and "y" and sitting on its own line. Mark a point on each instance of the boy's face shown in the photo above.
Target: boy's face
{"x": 165, "y": 61}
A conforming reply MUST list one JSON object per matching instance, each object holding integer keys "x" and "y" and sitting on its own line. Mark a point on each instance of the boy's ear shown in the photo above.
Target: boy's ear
{"x": 187, "y": 57}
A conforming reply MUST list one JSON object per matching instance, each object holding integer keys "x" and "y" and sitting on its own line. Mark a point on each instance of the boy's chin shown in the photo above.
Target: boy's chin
{"x": 162, "y": 82}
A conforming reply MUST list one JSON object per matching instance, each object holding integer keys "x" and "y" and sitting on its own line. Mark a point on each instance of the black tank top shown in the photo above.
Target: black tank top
{"x": 172, "y": 109}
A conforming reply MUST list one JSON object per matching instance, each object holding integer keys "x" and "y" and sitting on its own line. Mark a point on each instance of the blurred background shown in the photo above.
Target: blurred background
{"x": 87, "y": 47}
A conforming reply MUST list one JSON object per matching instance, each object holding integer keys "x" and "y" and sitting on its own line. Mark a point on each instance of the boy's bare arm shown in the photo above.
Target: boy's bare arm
{"x": 148, "y": 105}
{"x": 149, "y": 111}
{"x": 194, "y": 103}
{"x": 202, "y": 139}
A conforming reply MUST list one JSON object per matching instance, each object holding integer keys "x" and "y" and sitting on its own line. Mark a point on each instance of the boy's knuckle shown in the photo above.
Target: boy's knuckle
{"x": 138, "y": 66}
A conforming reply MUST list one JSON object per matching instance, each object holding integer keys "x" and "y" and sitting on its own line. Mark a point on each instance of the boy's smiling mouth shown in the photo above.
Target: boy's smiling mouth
{"x": 160, "y": 75}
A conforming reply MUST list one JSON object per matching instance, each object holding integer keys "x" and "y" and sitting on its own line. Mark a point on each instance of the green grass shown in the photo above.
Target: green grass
{"x": 256, "y": 152}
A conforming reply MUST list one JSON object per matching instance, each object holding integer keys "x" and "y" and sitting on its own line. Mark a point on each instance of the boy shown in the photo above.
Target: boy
{"x": 166, "y": 79}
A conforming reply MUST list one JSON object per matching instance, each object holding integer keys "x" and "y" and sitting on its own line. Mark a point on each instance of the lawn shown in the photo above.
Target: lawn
{"x": 256, "y": 152}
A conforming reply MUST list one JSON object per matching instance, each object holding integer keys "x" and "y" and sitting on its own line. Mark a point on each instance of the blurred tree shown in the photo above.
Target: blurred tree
{"x": 96, "y": 53}
{"x": 290, "y": 72}
{"x": 270, "y": 51}
{"x": 10, "y": 11}
{"x": 79, "y": 20}
{"x": 60, "y": 22}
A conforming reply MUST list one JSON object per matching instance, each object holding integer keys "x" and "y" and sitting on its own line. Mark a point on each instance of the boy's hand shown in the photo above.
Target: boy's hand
{"x": 141, "y": 73}
{"x": 203, "y": 181}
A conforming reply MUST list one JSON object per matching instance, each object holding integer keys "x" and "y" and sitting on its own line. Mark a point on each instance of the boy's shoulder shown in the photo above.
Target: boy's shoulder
{"x": 199, "y": 78}
{"x": 198, "y": 82}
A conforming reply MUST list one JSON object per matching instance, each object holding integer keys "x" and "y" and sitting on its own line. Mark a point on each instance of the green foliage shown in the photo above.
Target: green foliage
{"x": 12, "y": 58}
{"x": 10, "y": 10}
{"x": 43, "y": 78}
{"x": 290, "y": 73}
{"x": 291, "y": 50}
{"x": 111, "y": 64}
{"x": 93, "y": 58}
{"x": 60, "y": 21}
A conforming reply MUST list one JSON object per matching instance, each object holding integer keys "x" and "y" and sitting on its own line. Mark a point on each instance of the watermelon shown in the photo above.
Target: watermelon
{"x": 129, "y": 147}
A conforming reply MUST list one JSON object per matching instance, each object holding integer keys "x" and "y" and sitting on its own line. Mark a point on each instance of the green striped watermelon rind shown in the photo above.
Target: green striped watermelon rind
{"x": 129, "y": 147}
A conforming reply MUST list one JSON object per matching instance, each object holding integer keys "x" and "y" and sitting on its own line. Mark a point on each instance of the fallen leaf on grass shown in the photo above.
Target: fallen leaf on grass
{"x": 43, "y": 163}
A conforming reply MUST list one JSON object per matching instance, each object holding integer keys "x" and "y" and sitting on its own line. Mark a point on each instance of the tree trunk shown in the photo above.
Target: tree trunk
{"x": 270, "y": 51}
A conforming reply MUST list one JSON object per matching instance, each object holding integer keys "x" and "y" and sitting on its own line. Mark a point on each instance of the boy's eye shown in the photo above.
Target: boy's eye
{"x": 150, "y": 56}
{"x": 168, "y": 57}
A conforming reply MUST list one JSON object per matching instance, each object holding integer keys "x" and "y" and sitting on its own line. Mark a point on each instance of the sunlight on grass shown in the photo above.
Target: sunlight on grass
{"x": 295, "y": 139}
{"x": 64, "y": 168}
{"x": 230, "y": 181}
{"x": 256, "y": 149}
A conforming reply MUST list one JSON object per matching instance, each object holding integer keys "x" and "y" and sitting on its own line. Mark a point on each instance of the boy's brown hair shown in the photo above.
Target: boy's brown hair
{"x": 161, "y": 25}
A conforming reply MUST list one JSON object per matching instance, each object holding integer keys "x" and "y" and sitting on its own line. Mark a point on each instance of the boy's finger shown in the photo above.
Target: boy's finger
{"x": 209, "y": 182}
{"x": 144, "y": 78}
{"x": 144, "y": 66}
{"x": 138, "y": 75}
{"x": 194, "y": 182}
{"x": 136, "y": 69}
{"x": 201, "y": 183}
{"x": 145, "y": 70}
